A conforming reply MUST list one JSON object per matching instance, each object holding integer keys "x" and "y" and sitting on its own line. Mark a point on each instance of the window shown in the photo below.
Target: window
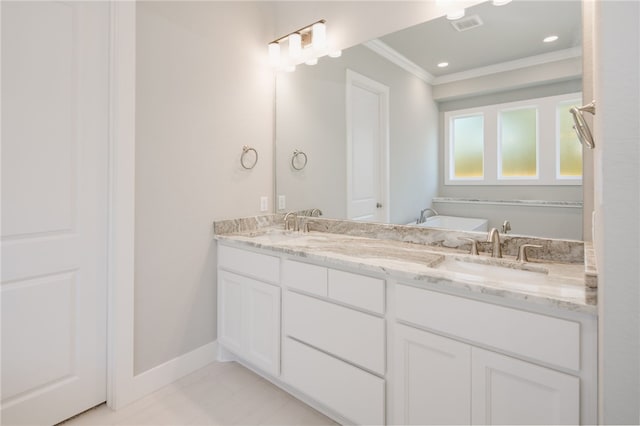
{"x": 468, "y": 147}
{"x": 529, "y": 142}
{"x": 569, "y": 149}
{"x": 518, "y": 139}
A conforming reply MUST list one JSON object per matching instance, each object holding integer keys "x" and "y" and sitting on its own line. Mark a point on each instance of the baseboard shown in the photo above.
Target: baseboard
{"x": 164, "y": 374}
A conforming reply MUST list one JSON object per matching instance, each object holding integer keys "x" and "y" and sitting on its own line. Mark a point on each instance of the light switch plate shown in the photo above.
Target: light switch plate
{"x": 264, "y": 204}
{"x": 282, "y": 204}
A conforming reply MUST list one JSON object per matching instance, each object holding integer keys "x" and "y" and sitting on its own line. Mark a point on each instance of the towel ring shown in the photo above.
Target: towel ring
{"x": 245, "y": 150}
{"x": 295, "y": 155}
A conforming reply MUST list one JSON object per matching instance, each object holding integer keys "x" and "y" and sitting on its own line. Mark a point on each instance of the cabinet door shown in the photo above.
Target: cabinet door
{"x": 262, "y": 322}
{"x": 431, "y": 378}
{"x": 230, "y": 311}
{"x": 509, "y": 391}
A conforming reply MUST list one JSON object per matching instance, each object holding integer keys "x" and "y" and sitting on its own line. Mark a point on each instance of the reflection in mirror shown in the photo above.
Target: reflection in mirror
{"x": 384, "y": 127}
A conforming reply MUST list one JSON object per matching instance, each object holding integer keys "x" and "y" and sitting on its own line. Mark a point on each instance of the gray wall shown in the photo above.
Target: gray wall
{"x": 310, "y": 115}
{"x": 203, "y": 90}
{"x": 617, "y": 207}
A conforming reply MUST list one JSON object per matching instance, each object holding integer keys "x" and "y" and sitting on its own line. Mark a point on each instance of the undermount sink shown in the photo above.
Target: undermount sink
{"x": 505, "y": 271}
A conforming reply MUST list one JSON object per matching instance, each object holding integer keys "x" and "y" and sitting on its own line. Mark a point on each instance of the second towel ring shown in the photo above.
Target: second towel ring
{"x": 295, "y": 155}
{"x": 245, "y": 150}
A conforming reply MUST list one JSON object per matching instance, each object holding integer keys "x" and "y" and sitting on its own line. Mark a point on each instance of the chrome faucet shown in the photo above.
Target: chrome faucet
{"x": 494, "y": 238}
{"x": 295, "y": 221}
{"x": 315, "y": 213}
{"x": 422, "y": 214}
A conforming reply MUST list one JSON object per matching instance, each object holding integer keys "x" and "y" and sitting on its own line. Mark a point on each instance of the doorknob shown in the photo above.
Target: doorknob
{"x": 378, "y": 205}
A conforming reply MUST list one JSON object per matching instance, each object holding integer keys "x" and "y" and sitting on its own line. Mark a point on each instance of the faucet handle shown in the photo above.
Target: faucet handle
{"x": 522, "y": 252}
{"x": 474, "y": 245}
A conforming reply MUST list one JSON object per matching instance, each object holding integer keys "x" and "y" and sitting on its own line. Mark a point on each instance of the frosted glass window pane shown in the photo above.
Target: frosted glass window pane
{"x": 518, "y": 132}
{"x": 468, "y": 147}
{"x": 569, "y": 148}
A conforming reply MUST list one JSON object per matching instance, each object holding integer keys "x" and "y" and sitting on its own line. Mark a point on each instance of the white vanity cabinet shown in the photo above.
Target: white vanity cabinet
{"x": 368, "y": 350}
{"x": 334, "y": 341}
{"x": 249, "y": 309}
{"x": 442, "y": 380}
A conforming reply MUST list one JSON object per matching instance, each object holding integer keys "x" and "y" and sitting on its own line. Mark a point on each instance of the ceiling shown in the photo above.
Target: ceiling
{"x": 509, "y": 32}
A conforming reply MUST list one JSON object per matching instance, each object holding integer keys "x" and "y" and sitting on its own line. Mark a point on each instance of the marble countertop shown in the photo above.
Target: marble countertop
{"x": 556, "y": 285}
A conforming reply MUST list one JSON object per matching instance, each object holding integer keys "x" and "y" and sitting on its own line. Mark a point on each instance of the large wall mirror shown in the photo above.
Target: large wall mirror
{"x": 387, "y": 130}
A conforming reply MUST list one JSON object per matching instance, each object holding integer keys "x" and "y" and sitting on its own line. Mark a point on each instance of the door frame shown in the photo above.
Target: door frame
{"x": 355, "y": 79}
{"x": 121, "y": 214}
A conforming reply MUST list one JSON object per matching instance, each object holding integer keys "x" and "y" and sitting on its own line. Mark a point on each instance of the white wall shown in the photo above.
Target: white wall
{"x": 311, "y": 115}
{"x": 617, "y": 204}
{"x": 203, "y": 91}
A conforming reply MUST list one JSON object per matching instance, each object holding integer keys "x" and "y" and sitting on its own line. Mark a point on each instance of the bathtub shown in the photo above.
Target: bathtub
{"x": 455, "y": 222}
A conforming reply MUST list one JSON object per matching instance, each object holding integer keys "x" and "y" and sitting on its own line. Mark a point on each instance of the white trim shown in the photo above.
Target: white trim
{"x": 559, "y": 55}
{"x": 121, "y": 203}
{"x": 172, "y": 370}
{"x": 399, "y": 59}
{"x": 355, "y": 79}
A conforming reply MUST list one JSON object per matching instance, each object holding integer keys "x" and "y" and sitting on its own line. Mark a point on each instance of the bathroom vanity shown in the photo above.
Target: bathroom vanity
{"x": 382, "y": 331}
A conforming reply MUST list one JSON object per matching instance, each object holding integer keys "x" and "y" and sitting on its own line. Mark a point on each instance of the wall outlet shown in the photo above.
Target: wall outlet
{"x": 282, "y": 204}
{"x": 264, "y": 204}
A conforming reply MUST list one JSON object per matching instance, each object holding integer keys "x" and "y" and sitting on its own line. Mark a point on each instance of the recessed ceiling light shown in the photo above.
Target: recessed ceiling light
{"x": 500, "y": 2}
{"x": 550, "y": 39}
{"x": 455, "y": 14}
{"x": 443, "y": 64}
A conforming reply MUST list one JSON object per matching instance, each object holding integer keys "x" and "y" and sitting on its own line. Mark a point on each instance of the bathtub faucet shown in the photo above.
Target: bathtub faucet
{"x": 422, "y": 214}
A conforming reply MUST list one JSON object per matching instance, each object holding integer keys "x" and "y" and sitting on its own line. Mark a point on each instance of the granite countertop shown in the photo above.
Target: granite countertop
{"x": 546, "y": 283}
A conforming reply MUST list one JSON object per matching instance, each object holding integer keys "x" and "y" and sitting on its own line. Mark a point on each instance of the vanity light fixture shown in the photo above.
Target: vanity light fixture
{"x": 550, "y": 39}
{"x": 305, "y": 45}
{"x": 455, "y": 14}
{"x": 500, "y": 2}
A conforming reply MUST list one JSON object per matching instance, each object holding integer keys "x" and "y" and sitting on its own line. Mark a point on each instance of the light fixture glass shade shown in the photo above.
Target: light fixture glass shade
{"x": 500, "y": 2}
{"x": 319, "y": 36}
{"x": 455, "y": 14}
{"x": 335, "y": 54}
{"x": 311, "y": 61}
{"x": 295, "y": 46}
{"x": 274, "y": 54}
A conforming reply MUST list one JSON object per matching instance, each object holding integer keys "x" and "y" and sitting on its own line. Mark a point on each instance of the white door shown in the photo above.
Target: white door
{"x": 367, "y": 149}
{"x": 54, "y": 209}
{"x": 507, "y": 391}
{"x": 432, "y": 377}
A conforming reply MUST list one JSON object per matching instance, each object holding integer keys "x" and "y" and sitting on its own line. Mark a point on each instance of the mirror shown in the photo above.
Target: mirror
{"x": 392, "y": 91}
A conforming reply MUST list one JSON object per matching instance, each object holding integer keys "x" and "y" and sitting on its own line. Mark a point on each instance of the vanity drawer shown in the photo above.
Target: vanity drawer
{"x": 249, "y": 263}
{"x": 547, "y": 339}
{"x": 357, "y": 290}
{"x": 305, "y": 277}
{"x": 353, "y": 393}
{"x": 348, "y": 334}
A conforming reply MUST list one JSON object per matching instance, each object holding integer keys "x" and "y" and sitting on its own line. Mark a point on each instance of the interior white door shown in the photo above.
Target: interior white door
{"x": 367, "y": 148}
{"x": 55, "y": 58}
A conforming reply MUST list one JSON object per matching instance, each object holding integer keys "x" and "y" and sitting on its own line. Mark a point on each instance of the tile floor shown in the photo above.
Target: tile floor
{"x": 218, "y": 394}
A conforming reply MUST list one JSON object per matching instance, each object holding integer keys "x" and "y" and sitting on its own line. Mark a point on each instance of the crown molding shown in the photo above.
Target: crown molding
{"x": 400, "y": 60}
{"x": 574, "y": 52}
